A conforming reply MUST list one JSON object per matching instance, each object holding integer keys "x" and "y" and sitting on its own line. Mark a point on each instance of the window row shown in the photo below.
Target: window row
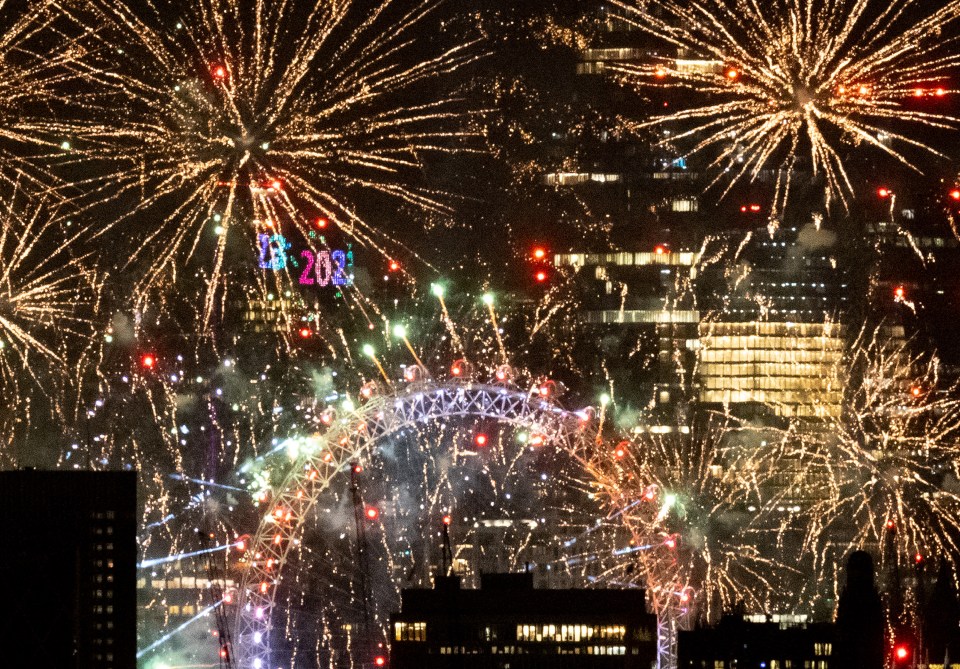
{"x": 574, "y": 633}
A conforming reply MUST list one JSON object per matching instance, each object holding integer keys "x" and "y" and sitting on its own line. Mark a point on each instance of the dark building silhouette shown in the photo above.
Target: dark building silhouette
{"x": 507, "y": 624}
{"x": 860, "y": 618}
{"x": 68, "y": 556}
{"x": 735, "y": 642}
{"x": 941, "y": 620}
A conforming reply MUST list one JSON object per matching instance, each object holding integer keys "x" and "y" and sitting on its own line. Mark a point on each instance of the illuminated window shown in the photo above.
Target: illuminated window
{"x": 410, "y": 631}
{"x": 683, "y": 205}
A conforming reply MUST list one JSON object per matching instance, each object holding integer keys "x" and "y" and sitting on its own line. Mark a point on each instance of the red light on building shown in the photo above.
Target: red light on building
{"x": 670, "y": 543}
{"x": 540, "y": 276}
{"x": 918, "y": 558}
{"x": 620, "y": 452}
{"x": 733, "y": 74}
{"x": 149, "y": 361}
{"x": 884, "y": 192}
{"x": 915, "y": 391}
{"x": 380, "y": 661}
{"x": 447, "y": 520}
{"x": 660, "y": 250}
{"x": 219, "y": 72}
{"x": 901, "y": 652}
{"x": 275, "y": 184}
{"x": 660, "y": 73}
{"x": 537, "y": 440}
{"x": 539, "y": 253}
{"x": 940, "y": 92}
{"x": 394, "y": 265}
{"x": 372, "y": 513}
{"x": 754, "y": 208}
{"x": 322, "y": 223}
{"x": 305, "y": 333}
{"x": 891, "y": 525}
{"x": 456, "y": 370}
{"x": 955, "y": 194}
{"x": 918, "y": 92}
{"x": 650, "y": 495}
{"x": 480, "y": 439}
{"x": 899, "y": 292}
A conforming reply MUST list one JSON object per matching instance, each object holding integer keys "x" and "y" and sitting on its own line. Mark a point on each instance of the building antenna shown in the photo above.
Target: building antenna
{"x": 359, "y": 516}
{"x": 446, "y": 555}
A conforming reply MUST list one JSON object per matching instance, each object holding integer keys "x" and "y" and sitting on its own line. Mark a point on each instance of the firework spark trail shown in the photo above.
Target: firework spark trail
{"x": 892, "y": 456}
{"x": 699, "y": 537}
{"x": 266, "y": 115}
{"x": 47, "y": 297}
{"x": 44, "y": 49}
{"x": 798, "y": 80}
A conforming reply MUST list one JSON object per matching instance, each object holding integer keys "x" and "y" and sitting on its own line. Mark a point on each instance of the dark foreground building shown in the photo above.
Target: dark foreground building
{"x": 735, "y": 642}
{"x": 507, "y": 624}
{"x": 68, "y": 559}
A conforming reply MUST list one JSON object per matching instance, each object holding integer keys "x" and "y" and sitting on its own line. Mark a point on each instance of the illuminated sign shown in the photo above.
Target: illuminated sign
{"x": 323, "y": 267}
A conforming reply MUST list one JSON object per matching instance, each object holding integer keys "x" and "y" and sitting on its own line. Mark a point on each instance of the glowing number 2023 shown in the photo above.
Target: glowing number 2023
{"x": 330, "y": 268}
{"x": 273, "y": 251}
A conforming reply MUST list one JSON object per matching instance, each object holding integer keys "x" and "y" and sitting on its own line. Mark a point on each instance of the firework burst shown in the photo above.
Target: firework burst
{"x": 890, "y": 462}
{"x": 692, "y": 504}
{"x": 42, "y": 52}
{"x": 246, "y": 117}
{"x": 48, "y": 299}
{"x": 793, "y": 82}
{"x": 43, "y": 290}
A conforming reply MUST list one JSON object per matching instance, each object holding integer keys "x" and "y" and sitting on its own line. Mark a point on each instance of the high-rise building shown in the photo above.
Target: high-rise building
{"x": 779, "y": 642}
{"x": 69, "y": 562}
{"x": 508, "y": 623}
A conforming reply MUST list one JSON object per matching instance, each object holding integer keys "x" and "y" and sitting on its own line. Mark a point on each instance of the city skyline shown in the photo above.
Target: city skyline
{"x": 600, "y": 291}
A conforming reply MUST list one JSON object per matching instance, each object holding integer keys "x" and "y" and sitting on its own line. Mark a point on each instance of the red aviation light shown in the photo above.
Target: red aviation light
{"x": 884, "y": 192}
{"x": 955, "y": 194}
{"x": 539, "y": 253}
{"x": 620, "y": 452}
{"x": 380, "y": 661}
{"x": 480, "y": 439}
{"x": 447, "y": 520}
{"x": 540, "y": 276}
{"x": 148, "y": 360}
{"x": 219, "y": 72}
{"x": 372, "y": 513}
